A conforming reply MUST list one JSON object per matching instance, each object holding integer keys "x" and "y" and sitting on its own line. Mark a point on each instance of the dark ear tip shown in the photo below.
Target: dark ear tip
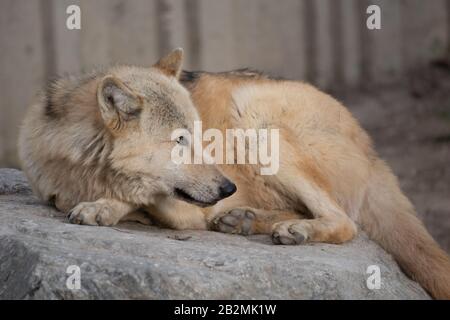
{"x": 108, "y": 80}
{"x": 107, "y": 86}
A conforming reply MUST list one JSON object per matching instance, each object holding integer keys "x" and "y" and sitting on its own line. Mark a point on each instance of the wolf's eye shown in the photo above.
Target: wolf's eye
{"x": 181, "y": 140}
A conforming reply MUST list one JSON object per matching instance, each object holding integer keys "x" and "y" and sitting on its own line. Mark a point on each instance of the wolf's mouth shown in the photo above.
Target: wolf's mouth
{"x": 183, "y": 195}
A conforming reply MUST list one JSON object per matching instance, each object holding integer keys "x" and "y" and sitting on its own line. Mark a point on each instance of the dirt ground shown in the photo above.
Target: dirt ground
{"x": 410, "y": 125}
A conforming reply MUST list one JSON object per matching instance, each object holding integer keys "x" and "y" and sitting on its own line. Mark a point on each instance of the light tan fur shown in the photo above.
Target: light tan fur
{"x": 330, "y": 179}
{"x": 329, "y": 174}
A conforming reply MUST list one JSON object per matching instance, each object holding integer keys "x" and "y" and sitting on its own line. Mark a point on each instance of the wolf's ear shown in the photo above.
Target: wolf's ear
{"x": 172, "y": 63}
{"x": 117, "y": 102}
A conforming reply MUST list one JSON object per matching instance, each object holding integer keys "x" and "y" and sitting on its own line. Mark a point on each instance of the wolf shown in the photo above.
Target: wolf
{"x": 99, "y": 149}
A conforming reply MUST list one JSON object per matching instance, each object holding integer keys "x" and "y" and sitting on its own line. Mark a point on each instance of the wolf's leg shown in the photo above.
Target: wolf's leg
{"x": 103, "y": 212}
{"x": 138, "y": 216}
{"x": 329, "y": 224}
{"x": 246, "y": 220}
{"x": 176, "y": 214}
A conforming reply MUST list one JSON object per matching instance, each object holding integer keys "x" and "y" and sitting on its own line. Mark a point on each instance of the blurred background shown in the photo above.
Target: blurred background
{"x": 396, "y": 80}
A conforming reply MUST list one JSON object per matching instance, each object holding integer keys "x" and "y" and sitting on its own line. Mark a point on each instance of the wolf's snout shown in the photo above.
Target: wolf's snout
{"x": 226, "y": 189}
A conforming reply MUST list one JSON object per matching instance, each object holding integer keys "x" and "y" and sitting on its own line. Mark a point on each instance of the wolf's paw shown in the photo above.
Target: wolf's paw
{"x": 289, "y": 232}
{"x": 93, "y": 214}
{"x": 237, "y": 221}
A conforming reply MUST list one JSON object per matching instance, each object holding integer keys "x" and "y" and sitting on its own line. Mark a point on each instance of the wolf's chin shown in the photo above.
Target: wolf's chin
{"x": 184, "y": 196}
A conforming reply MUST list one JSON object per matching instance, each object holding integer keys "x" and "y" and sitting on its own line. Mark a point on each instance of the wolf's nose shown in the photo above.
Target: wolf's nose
{"x": 227, "y": 189}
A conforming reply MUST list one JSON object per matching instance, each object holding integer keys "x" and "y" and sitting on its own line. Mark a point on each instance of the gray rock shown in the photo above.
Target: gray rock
{"x": 133, "y": 261}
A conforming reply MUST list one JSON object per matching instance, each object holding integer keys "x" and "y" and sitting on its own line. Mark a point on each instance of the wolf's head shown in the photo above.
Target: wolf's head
{"x": 141, "y": 107}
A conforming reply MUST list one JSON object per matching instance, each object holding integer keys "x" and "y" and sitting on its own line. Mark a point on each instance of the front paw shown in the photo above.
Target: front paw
{"x": 290, "y": 232}
{"x": 93, "y": 214}
{"x": 236, "y": 221}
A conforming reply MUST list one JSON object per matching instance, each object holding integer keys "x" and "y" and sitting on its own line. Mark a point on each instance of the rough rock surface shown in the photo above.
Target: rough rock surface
{"x": 134, "y": 261}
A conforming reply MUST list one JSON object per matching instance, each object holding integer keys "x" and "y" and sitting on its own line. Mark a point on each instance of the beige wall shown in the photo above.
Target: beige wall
{"x": 323, "y": 41}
